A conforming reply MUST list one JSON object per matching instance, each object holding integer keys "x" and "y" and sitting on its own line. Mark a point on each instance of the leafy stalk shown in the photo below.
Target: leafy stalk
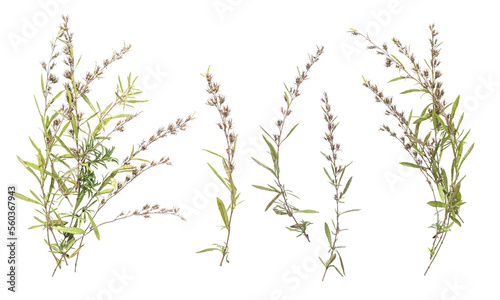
{"x": 75, "y": 167}
{"x": 335, "y": 179}
{"x": 281, "y": 199}
{"x": 434, "y": 139}
{"x": 226, "y": 125}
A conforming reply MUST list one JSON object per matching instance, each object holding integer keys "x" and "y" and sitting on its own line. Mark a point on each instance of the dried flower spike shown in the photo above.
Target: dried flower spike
{"x": 281, "y": 201}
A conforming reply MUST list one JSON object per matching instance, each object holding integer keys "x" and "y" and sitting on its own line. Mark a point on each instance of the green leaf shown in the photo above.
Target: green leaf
{"x": 76, "y": 252}
{"x": 441, "y": 193}
{"x": 437, "y": 204}
{"x": 308, "y": 211}
{"x": 290, "y": 132}
{"x": 209, "y": 249}
{"x": 43, "y": 85}
{"x": 214, "y": 154}
{"x": 413, "y": 91}
{"x": 350, "y": 210}
{"x": 218, "y": 176}
{"x": 347, "y": 185}
{"x": 127, "y": 168}
{"x": 454, "y": 108}
{"x": 399, "y": 62}
{"x": 337, "y": 270}
{"x": 100, "y": 126}
{"x": 435, "y": 120}
{"x": 113, "y": 183}
{"x": 331, "y": 259}
{"x": 267, "y": 133}
{"x": 421, "y": 119}
{"x": 22, "y": 197}
{"x": 466, "y": 154}
{"x": 88, "y": 102}
{"x": 341, "y": 263}
{"x": 223, "y": 212}
{"x": 94, "y": 226}
{"x": 326, "y": 172}
{"x": 35, "y": 226}
{"x": 272, "y": 201}
{"x": 328, "y": 234}
{"x": 28, "y": 168}
{"x": 397, "y": 78}
{"x": 141, "y": 159}
{"x": 410, "y": 165}
{"x": 273, "y": 152}
{"x": 106, "y": 191}
{"x": 456, "y": 221}
{"x": 264, "y": 166}
{"x": 72, "y": 230}
{"x": 264, "y": 188}
{"x": 62, "y": 144}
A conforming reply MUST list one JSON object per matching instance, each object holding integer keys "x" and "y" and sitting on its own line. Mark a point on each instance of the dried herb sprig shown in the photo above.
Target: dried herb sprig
{"x": 335, "y": 179}
{"x": 217, "y": 100}
{"x": 281, "y": 200}
{"x": 72, "y": 165}
{"x": 434, "y": 138}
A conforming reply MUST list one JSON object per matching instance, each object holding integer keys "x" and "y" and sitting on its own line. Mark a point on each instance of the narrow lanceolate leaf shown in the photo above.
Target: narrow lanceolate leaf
{"x": 272, "y": 201}
{"x": 223, "y": 212}
{"x": 331, "y": 259}
{"x": 397, "y": 78}
{"x": 274, "y": 154}
{"x": 466, "y": 154}
{"x": 113, "y": 183}
{"x": 441, "y": 193}
{"x": 290, "y": 132}
{"x": 215, "y": 154}
{"x": 341, "y": 263}
{"x": 347, "y": 185}
{"x": 307, "y": 211}
{"x": 29, "y": 168}
{"x": 264, "y": 166}
{"x": 437, "y": 204}
{"x": 264, "y": 188}
{"x": 106, "y": 191}
{"x": 337, "y": 270}
{"x": 72, "y": 230}
{"x": 410, "y": 165}
{"x": 208, "y": 249}
{"x": 350, "y": 210}
{"x": 88, "y": 102}
{"x": 76, "y": 252}
{"x": 328, "y": 234}
{"x": 218, "y": 176}
{"x": 455, "y": 106}
{"x": 22, "y": 197}
{"x": 326, "y": 172}
{"x": 413, "y": 91}
{"x": 456, "y": 221}
{"x": 94, "y": 227}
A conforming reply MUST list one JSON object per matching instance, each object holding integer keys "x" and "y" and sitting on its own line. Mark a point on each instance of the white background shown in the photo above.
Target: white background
{"x": 253, "y": 47}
